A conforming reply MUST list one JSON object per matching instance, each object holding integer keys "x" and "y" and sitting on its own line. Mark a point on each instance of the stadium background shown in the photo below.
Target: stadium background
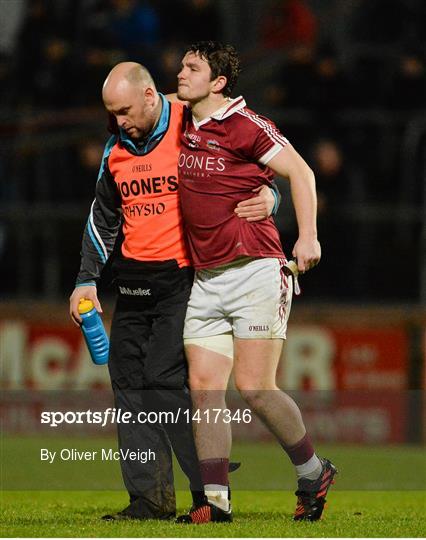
{"x": 345, "y": 82}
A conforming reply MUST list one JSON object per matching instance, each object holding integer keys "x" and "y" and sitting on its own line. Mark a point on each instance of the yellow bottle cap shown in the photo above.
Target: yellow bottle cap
{"x": 84, "y": 306}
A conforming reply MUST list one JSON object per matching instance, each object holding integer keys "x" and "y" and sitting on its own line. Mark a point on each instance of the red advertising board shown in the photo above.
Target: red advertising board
{"x": 326, "y": 358}
{"x": 371, "y": 359}
{"x": 354, "y": 380}
{"x": 47, "y": 357}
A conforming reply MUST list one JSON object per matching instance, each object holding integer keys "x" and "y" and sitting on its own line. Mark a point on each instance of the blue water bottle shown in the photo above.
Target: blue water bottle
{"x": 94, "y": 332}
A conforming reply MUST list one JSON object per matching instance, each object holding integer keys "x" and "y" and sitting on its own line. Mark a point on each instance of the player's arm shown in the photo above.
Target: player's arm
{"x": 261, "y": 206}
{"x": 289, "y": 164}
{"x": 250, "y": 137}
{"x": 99, "y": 236}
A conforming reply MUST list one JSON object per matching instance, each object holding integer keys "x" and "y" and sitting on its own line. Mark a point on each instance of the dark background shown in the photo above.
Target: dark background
{"x": 343, "y": 79}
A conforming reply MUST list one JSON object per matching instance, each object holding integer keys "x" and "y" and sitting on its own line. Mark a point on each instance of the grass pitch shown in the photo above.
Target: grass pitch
{"x": 379, "y": 492}
{"x": 257, "y": 514}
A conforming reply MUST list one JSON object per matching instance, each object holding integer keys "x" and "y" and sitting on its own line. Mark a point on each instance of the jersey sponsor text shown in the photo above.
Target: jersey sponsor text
{"x": 147, "y": 186}
{"x": 204, "y": 163}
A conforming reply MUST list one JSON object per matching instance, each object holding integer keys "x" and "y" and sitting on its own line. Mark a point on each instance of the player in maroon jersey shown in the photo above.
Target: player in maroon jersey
{"x": 147, "y": 366}
{"x": 240, "y": 301}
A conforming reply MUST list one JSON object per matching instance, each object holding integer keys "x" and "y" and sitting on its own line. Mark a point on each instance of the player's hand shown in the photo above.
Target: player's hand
{"x": 257, "y": 208}
{"x": 307, "y": 252}
{"x": 88, "y": 292}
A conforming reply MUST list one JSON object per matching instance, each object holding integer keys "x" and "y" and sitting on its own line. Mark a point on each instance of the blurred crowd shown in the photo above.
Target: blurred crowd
{"x": 349, "y": 77}
{"x": 384, "y": 64}
{"x": 55, "y": 53}
{"x": 61, "y": 49}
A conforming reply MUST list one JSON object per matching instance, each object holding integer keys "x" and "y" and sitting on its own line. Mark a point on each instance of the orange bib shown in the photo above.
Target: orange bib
{"x": 148, "y": 184}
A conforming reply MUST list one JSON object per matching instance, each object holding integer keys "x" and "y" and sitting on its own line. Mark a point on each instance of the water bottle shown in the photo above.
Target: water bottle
{"x": 94, "y": 332}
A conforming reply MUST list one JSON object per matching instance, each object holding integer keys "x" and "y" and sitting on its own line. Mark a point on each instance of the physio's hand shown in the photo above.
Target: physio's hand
{"x": 257, "y": 208}
{"x": 307, "y": 252}
{"x": 89, "y": 293}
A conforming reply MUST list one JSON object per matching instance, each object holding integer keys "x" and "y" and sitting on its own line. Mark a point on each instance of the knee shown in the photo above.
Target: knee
{"x": 254, "y": 398}
{"x": 246, "y": 383}
{"x": 253, "y": 393}
{"x": 206, "y": 390}
{"x": 200, "y": 381}
{"x": 203, "y": 377}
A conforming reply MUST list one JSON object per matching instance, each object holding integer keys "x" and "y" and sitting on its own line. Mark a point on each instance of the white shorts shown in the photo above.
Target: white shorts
{"x": 250, "y": 299}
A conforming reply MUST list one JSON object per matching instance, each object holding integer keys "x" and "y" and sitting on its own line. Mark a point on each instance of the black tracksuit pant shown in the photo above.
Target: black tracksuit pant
{"x": 149, "y": 373}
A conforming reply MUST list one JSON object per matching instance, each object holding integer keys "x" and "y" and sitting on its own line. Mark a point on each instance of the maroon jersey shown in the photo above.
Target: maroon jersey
{"x": 222, "y": 159}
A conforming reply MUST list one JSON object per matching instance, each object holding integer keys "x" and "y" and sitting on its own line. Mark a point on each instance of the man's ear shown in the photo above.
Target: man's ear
{"x": 149, "y": 95}
{"x": 219, "y": 84}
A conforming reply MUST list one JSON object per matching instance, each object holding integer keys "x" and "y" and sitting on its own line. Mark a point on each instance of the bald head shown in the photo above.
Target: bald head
{"x": 127, "y": 74}
{"x": 129, "y": 93}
